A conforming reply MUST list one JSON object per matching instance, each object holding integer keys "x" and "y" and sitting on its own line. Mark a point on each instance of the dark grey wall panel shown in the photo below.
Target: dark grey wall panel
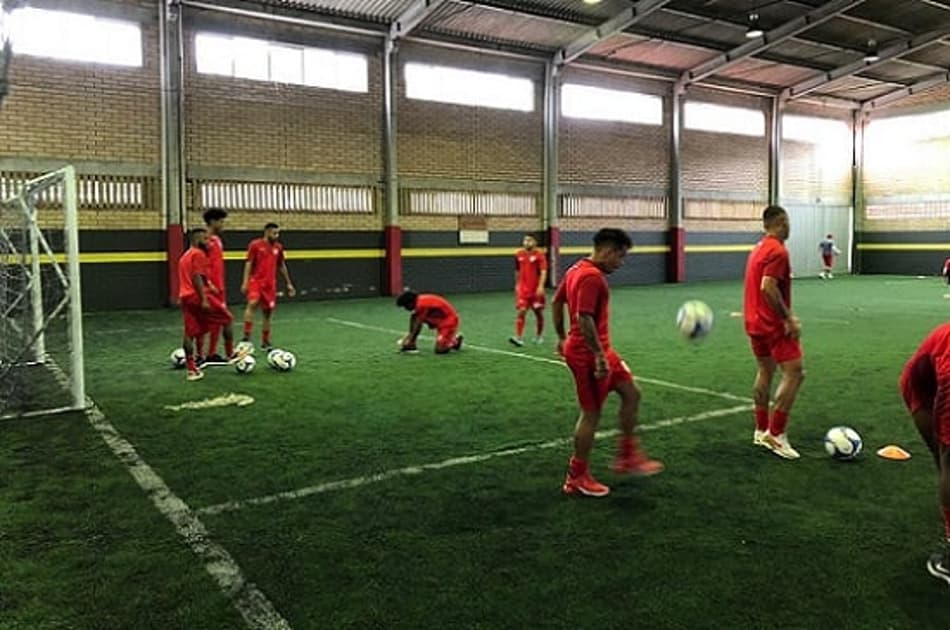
{"x": 901, "y": 262}
{"x": 723, "y": 238}
{"x": 575, "y": 239}
{"x": 459, "y": 275}
{"x": 237, "y": 240}
{"x": 121, "y": 241}
{"x": 902, "y": 237}
{"x": 637, "y": 269}
{"x": 715, "y": 266}
{"x": 326, "y": 279}
{"x": 422, "y": 238}
{"x": 113, "y": 286}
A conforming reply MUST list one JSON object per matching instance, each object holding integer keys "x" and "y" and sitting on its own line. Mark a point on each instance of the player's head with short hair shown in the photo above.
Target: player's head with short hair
{"x": 198, "y": 236}
{"x": 407, "y": 300}
{"x": 530, "y": 241}
{"x": 829, "y": 236}
{"x": 775, "y": 222}
{"x": 610, "y": 247}
{"x": 272, "y": 232}
{"x": 214, "y": 219}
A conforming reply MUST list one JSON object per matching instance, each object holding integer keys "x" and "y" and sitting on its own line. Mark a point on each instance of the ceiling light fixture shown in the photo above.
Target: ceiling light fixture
{"x": 872, "y": 55}
{"x": 591, "y": 1}
{"x": 754, "y": 29}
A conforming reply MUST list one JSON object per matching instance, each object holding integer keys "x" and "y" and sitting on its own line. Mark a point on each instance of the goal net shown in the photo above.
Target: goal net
{"x": 41, "y": 354}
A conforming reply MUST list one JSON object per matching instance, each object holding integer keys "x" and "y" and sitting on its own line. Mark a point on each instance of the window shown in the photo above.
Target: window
{"x": 592, "y": 103}
{"x": 724, "y": 119}
{"x": 906, "y": 129}
{"x": 75, "y": 37}
{"x": 260, "y": 60}
{"x": 815, "y": 130}
{"x": 468, "y": 87}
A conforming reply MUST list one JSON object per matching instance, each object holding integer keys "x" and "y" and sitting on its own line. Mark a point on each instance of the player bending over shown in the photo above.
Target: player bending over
{"x": 531, "y": 274}
{"x": 925, "y": 386}
{"x": 265, "y": 257}
{"x": 597, "y": 369}
{"x": 201, "y": 308}
{"x": 774, "y": 332}
{"x": 435, "y": 312}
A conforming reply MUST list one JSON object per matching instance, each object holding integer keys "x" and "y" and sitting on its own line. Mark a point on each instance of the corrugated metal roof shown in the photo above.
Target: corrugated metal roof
{"x": 651, "y": 52}
{"x": 916, "y": 16}
{"x": 767, "y": 72}
{"x": 501, "y": 25}
{"x": 375, "y": 10}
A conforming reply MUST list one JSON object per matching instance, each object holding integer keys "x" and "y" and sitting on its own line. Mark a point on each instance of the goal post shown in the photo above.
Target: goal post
{"x": 41, "y": 336}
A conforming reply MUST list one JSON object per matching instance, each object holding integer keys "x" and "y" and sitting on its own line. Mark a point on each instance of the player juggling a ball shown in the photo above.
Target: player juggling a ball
{"x": 435, "y": 312}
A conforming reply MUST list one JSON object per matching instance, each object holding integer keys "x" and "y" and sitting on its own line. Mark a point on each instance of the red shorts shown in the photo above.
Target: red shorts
{"x": 198, "y": 321}
{"x": 778, "y": 346}
{"x": 265, "y": 295}
{"x": 529, "y": 300}
{"x": 921, "y": 396}
{"x": 445, "y": 337}
{"x": 829, "y": 260}
{"x": 592, "y": 391}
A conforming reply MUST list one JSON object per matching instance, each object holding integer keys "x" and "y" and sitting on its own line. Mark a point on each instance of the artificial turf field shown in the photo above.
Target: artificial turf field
{"x": 729, "y": 536}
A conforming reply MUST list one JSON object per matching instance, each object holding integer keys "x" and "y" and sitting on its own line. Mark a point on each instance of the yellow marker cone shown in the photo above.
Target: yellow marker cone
{"x": 894, "y": 452}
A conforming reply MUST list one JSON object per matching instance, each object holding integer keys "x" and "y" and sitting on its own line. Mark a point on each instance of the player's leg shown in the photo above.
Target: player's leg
{"x": 793, "y": 375}
{"x": 249, "y": 311}
{"x": 268, "y": 316}
{"x": 938, "y": 565}
{"x": 762, "y": 387}
{"x": 213, "y": 338}
{"x": 521, "y": 311}
{"x": 191, "y": 318}
{"x": 631, "y": 459}
{"x": 591, "y": 393}
{"x": 539, "y": 323}
{"x": 447, "y": 337}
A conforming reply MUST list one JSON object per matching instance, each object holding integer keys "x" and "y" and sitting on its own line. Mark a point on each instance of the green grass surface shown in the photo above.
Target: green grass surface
{"x": 729, "y": 536}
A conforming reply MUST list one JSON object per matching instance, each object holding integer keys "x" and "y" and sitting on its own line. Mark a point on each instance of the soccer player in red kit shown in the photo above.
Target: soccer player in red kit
{"x": 214, "y": 220}
{"x": 531, "y": 274}
{"x": 265, "y": 257}
{"x": 596, "y": 368}
{"x": 774, "y": 332}
{"x": 925, "y": 386}
{"x": 201, "y": 308}
{"x": 435, "y": 312}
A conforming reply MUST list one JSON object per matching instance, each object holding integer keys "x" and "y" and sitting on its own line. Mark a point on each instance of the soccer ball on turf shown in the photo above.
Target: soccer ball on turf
{"x": 245, "y": 365}
{"x": 244, "y": 347}
{"x": 694, "y": 320}
{"x": 178, "y": 358}
{"x": 843, "y": 443}
{"x": 284, "y": 361}
{"x": 272, "y": 356}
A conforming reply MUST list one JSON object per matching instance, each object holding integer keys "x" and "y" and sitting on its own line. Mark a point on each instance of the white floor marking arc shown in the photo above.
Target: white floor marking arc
{"x": 356, "y": 482}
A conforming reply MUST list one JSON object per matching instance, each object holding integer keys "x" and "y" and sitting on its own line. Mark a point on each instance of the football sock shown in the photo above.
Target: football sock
{"x": 761, "y": 418}
{"x": 229, "y": 347}
{"x": 190, "y": 362}
{"x": 539, "y": 320}
{"x": 576, "y": 467}
{"x": 779, "y": 422}
{"x": 946, "y": 521}
{"x": 519, "y": 325}
{"x": 248, "y": 326}
{"x": 265, "y": 336}
{"x": 213, "y": 340}
{"x": 626, "y": 446}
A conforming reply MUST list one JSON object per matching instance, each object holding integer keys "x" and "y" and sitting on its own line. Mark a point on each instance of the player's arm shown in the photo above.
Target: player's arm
{"x": 246, "y": 277}
{"x": 415, "y": 327}
{"x": 291, "y": 290}
{"x": 542, "y": 280}
{"x": 588, "y": 326}
{"x": 773, "y": 297}
{"x": 557, "y": 316}
{"x": 198, "y": 281}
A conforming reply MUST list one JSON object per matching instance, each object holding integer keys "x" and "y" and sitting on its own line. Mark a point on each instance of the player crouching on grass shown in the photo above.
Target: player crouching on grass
{"x": 434, "y": 311}
{"x": 925, "y": 386}
{"x": 597, "y": 369}
{"x": 201, "y": 306}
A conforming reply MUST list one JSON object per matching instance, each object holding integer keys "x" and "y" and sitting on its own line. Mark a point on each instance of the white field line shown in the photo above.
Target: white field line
{"x": 530, "y": 357}
{"x": 254, "y": 607}
{"x": 356, "y": 482}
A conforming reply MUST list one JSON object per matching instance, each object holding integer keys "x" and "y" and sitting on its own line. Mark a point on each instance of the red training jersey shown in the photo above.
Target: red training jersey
{"x": 529, "y": 266}
{"x": 216, "y": 261}
{"x": 265, "y": 258}
{"x": 434, "y": 309}
{"x": 929, "y": 371}
{"x": 193, "y": 262}
{"x": 768, "y": 258}
{"x": 584, "y": 289}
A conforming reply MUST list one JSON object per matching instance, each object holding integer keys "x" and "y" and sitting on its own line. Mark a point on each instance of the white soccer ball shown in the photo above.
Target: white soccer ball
{"x": 843, "y": 443}
{"x": 284, "y": 361}
{"x": 244, "y": 347}
{"x": 245, "y": 365}
{"x": 272, "y": 356}
{"x": 178, "y": 358}
{"x": 694, "y": 320}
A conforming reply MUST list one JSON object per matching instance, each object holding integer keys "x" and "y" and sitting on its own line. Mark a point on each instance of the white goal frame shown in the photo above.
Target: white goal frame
{"x": 65, "y": 271}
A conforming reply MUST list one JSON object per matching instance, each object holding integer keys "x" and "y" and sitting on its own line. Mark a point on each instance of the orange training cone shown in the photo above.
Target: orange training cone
{"x": 894, "y": 452}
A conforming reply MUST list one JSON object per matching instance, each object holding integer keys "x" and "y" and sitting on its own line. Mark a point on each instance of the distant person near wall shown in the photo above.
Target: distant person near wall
{"x": 828, "y": 251}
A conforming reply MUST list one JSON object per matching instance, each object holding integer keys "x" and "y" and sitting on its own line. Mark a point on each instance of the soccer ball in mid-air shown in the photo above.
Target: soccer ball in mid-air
{"x": 178, "y": 358}
{"x": 244, "y": 347}
{"x": 843, "y": 443}
{"x": 245, "y": 365}
{"x": 694, "y": 320}
{"x": 281, "y": 360}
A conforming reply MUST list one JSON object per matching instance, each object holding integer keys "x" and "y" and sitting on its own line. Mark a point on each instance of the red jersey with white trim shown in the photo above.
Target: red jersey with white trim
{"x": 768, "y": 258}
{"x": 584, "y": 288}
{"x": 216, "y": 261}
{"x": 265, "y": 258}
{"x": 529, "y": 266}
{"x": 193, "y": 262}
{"x": 434, "y": 310}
